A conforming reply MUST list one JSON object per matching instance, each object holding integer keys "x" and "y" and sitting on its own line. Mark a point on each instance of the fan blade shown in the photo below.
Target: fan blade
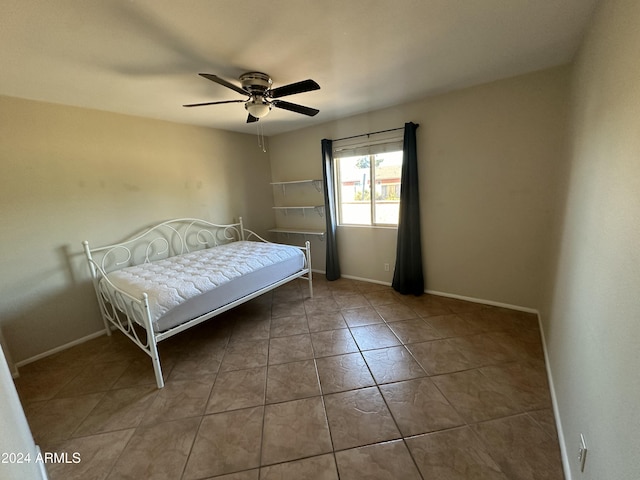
{"x": 295, "y": 108}
{"x": 223, "y": 82}
{"x": 252, "y": 119}
{"x": 213, "y": 103}
{"x": 293, "y": 88}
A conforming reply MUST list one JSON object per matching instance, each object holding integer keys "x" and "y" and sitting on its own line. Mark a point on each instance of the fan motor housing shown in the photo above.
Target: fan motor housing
{"x": 255, "y": 82}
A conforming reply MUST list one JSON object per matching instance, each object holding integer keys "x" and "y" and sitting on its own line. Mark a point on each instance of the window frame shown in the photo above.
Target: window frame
{"x": 372, "y": 189}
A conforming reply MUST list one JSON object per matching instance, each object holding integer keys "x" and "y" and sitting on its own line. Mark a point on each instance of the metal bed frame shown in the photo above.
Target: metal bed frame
{"x": 125, "y": 312}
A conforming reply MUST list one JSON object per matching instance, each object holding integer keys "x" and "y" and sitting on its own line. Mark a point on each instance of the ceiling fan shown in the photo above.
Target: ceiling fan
{"x": 261, "y": 97}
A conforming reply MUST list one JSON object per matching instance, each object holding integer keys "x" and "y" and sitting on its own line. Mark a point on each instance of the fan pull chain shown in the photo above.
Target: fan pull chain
{"x": 261, "y": 142}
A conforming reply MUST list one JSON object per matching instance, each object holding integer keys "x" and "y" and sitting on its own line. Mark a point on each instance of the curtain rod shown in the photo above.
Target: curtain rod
{"x": 370, "y": 133}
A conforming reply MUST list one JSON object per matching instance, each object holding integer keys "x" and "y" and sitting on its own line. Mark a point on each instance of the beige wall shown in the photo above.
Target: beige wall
{"x": 490, "y": 163}
{"x": 592, "y": 318}
{"x": 70, "y": 174}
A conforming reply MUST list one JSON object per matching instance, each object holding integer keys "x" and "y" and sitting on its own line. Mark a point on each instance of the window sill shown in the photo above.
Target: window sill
{"x": 375, "y": 227}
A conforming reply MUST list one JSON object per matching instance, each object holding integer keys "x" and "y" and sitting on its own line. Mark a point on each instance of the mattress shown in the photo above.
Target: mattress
{"x": 186, "y": 286}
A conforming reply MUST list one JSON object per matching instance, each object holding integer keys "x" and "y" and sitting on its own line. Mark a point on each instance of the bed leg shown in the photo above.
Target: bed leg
{"x": 94, "y": 280}
{"x": 157, "y": 369}
{"x": 107, "y": 327}
{"x": 155, "y": 358}
{"x": 309, "y": 275}
{"x": 152, "y": 344}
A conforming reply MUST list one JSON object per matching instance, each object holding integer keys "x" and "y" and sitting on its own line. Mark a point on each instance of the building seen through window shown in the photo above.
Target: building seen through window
{"x": 368, "y": 188}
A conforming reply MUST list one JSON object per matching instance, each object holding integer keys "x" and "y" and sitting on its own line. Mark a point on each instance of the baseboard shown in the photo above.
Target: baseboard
{"x": 554, "y": 404}
{"x": 53, "y": 351}
{"x": 483, "y": 301}
{"x": 351, "y": 277}
{"x": 454, "y": 295}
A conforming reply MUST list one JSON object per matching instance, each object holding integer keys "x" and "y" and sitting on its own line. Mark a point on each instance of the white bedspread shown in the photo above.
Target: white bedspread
{"x": 171, "y": 282}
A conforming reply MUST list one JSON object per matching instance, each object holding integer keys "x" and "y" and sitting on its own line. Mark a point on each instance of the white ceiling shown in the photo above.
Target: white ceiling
{"x": 141, "y": 57}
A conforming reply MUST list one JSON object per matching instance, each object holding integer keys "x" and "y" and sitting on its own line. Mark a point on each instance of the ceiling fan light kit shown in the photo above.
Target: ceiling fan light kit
{"x": 261, "y": 97}
{"x": 257, "y": 106}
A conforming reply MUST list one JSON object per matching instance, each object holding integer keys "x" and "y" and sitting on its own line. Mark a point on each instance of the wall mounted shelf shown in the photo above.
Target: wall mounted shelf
{"x": 300, "y": 231}
{"x": 316, "y": 183}
{"x": 319, "y": 209}
{"x": 310, "y": 225}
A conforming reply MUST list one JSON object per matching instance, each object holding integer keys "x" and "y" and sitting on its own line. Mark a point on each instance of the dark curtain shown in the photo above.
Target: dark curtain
{"x": 333, "y": 265}
{"x": 408, "y": 277}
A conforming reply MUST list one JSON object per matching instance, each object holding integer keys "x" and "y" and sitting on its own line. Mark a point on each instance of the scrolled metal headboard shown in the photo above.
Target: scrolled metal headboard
{"x": 166, "y": 239}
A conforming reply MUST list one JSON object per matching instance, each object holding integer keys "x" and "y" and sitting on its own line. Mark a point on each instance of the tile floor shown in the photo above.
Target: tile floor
{"x": 357, "y": 383}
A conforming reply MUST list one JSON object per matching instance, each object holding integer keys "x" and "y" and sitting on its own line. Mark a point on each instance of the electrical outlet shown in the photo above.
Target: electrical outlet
{"x": 386, "y": 267}
{"x": 582, "y": 452}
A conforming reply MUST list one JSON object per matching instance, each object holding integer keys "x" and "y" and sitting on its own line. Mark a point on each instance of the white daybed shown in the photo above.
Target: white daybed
{"x": 182, "y": 272}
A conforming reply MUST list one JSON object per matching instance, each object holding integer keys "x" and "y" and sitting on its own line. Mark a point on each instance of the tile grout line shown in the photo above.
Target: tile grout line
{"x": 266, "y": 386}
{"x": 324, "y": 406}
{"x": 204, "y": 414}
{"x": 522, "y": 409}
{"x": 384, "y": 400}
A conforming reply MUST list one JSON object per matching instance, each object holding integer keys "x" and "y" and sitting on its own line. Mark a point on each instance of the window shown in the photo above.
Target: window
{"x": 368, "y": 185}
